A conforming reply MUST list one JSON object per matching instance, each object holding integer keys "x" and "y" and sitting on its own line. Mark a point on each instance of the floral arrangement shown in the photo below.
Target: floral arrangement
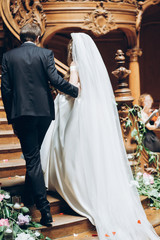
{"x": 148, "y": 185}
{"x": 138, "y": 133}
{"x": 15, "y": 222}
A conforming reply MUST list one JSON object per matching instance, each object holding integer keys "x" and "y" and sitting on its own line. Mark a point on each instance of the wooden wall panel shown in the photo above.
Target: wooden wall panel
{"x": 150, "y": 59}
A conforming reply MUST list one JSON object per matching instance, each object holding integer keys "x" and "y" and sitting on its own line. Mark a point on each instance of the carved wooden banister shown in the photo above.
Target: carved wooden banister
{"x": 62, "y": 68}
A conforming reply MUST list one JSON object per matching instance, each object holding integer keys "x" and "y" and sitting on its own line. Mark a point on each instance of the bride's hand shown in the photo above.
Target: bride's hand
{"x": 73, "y": 74}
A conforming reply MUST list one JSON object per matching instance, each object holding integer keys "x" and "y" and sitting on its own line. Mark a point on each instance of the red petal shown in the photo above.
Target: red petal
{"x": 114, "y": 233}
{"x": 139, "y": 221}
{"x": 107, "y": 235}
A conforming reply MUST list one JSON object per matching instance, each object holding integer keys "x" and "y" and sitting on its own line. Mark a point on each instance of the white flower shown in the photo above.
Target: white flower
{"x": 139, "y": 174}
{"x": 24, "y": 236}
{"x": 134, "y": 183}
{"x": 154, "y": 193}
{"x": 37, "y": 234}
{"x": 146, "y": 182}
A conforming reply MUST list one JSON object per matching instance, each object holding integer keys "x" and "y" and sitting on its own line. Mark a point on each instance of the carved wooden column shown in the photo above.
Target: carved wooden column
{"x": 124, "y": 98}
{"x": 134, "y": 78}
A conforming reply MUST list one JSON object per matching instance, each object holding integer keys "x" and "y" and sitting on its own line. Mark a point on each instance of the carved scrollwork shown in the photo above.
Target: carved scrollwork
{"x": 100, "y": 21}
{"x": 26, "y": 11}
{"x": 123, "y": 116}
{"x": 132, "y": 2}
{"x": 134, "y": 53}
{"x": 156, "y": 2}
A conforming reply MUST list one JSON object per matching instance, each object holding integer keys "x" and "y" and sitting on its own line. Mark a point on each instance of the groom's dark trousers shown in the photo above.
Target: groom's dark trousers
{"x": 27, "y": 72}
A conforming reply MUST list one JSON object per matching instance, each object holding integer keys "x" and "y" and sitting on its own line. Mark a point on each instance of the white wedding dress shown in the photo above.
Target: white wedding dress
{"x": 83, "y": 156}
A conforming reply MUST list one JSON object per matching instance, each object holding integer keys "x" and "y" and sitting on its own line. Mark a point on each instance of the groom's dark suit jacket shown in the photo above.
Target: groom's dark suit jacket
{"x": 26, "y": 74}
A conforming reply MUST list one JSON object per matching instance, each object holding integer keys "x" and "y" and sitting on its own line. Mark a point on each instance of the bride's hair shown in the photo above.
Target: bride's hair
{"x": 69, "y": 60}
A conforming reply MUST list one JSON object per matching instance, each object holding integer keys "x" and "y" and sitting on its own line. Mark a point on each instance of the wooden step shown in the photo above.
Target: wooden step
{"x": 66, "y": 225}
{"x": 8, "y": 137}
{"x": 57, "y": 206}
{"x": 10, "y": 151}
{"x": 11, "y": 168}
{"x": 14, "y": 185}
{"x": 145, "y": 201}
{"x": 89, "y": 235}
{"x": 4, "y": 124}
{"x": 70, "y": 222}
{"x": 2, "y": 112}
{"x": 11, "y": 182}
{"x": 1, "y": 102}
{"x": 153, "y": 216}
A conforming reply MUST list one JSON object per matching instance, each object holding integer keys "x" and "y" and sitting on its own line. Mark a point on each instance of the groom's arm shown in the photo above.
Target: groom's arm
{"x": 6, "y": 89}
{"x": 57, "y": 81}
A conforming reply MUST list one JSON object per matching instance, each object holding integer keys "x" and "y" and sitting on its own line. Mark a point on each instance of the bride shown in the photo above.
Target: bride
{"x": 83, "y": 156}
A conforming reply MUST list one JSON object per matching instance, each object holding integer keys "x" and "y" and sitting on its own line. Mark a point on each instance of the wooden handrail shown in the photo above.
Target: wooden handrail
{"x": 61, "y": 67}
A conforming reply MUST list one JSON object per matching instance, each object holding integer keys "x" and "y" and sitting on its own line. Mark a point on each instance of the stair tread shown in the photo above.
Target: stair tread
{"x": 89, "y": 235}
{"x": 6, "y": 132}
{"x": 12, "y": 181}
{"x": 63, "y": 219}
{"x": 3, "y": 119}
{"x": 12, "y": 163}
{"x": 10, "y": 146}
{"x": 142, "y": 198}
{"x": 153, "y": 216}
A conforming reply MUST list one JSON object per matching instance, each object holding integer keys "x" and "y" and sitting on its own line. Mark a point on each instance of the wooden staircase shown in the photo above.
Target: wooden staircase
{"x": 12, "y": 171}
{"x": 67, "y": 224}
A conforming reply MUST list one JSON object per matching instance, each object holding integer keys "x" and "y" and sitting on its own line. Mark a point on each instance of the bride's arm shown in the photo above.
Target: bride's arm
{"x": 74, "y": 78}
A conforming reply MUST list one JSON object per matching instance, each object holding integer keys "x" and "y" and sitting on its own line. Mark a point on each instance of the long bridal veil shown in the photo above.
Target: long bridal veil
{"x": 83, "y": 156}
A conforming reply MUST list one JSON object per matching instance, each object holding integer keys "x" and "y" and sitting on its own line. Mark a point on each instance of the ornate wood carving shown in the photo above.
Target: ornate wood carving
{"x": 134, "y": 53}
{"x": 25, "y": 11}
{"x": 132, "y": 2}
{"x": 100, "y": 21}
{"x": 16, "y": 13}
{"x": 123, "y": 96}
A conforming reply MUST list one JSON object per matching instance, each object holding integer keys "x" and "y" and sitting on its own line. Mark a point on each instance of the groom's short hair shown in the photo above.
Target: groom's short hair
{"x": 30, "y": 32}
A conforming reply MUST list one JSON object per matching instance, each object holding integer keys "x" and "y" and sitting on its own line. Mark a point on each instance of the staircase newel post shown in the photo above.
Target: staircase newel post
{"x": 124, "y": 100}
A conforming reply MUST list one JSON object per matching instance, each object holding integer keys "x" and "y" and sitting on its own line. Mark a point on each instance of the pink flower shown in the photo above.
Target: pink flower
{"x": 1, "y": 197}
{"x": 148, "y": 179}
{"x": 23, "y": 220}
{"x": 4, "y": 222}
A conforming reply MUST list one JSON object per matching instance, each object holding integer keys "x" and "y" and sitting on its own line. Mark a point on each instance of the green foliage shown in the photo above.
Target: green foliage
{"x": 24, "y": 210}
{"x": 10, "y": 215}
{"x": 138, "y": 133}
{"x": 151, "y": 190}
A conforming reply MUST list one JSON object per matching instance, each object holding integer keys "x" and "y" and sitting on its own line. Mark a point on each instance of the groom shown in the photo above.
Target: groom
{"x": 27, "y": 72}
